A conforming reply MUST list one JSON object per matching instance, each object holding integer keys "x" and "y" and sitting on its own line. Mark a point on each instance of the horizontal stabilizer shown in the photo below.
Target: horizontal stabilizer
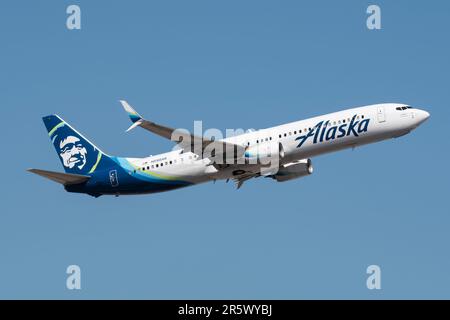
{"x": 65, "y": 179}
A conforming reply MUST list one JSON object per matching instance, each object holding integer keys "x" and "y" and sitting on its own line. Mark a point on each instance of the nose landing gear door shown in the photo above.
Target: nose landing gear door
{"x": 381, "y": 115}
{"x": 113, "y": 178}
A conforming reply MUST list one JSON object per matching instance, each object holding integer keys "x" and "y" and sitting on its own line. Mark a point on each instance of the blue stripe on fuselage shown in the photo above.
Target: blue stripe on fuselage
{"x": 130, "y": 181}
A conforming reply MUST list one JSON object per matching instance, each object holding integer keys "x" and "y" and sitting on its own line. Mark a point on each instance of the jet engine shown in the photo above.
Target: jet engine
{"x": 293, "y": 170}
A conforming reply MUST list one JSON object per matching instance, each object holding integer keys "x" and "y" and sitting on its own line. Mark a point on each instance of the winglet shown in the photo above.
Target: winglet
{"x": 134, "y": 116}
{"x": 134, "y": 125}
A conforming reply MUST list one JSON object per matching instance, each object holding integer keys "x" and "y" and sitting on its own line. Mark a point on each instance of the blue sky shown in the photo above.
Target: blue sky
{"x": 231, "y": 64}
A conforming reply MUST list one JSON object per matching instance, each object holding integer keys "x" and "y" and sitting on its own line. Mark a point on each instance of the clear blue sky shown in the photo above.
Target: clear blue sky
{"x": 232, "y": 64}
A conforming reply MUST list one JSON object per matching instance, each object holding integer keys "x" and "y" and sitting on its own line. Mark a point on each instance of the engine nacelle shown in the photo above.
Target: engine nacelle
{"x": 294, "y": 170}
{"x": 264, "y": 152}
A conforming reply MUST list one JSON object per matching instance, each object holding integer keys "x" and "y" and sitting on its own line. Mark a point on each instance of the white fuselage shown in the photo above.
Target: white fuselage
{"x": 299, "y": 140}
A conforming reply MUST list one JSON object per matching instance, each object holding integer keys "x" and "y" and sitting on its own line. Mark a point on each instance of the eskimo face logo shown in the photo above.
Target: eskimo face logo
{"x": 72, "y": 152}
{"x": 323, "y": 131}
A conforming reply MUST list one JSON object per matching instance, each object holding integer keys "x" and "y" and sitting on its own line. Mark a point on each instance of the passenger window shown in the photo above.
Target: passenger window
{"x": 170, "y": 162}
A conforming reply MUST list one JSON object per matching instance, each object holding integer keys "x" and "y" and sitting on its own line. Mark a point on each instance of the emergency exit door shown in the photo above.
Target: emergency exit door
{"x": 381, "y": 115}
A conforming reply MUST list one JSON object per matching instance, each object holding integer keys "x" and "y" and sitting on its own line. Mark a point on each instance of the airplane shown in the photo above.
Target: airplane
{"x": 282, "y": 152}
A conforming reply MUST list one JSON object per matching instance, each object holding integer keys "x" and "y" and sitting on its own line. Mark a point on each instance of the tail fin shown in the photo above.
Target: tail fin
{"x": 77, "y": 154}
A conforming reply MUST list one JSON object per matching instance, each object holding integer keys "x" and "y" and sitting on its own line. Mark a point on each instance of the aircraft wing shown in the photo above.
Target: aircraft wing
{"x": 186, "y": 140}
{"x": 65, "y": 179}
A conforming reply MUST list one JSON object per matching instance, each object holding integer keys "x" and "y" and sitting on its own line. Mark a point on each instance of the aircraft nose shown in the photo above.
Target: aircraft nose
{"x": 422, "y": 115}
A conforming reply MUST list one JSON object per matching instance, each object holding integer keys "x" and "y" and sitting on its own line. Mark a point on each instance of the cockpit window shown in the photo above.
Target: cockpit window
{"x": 403, "y": 108}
